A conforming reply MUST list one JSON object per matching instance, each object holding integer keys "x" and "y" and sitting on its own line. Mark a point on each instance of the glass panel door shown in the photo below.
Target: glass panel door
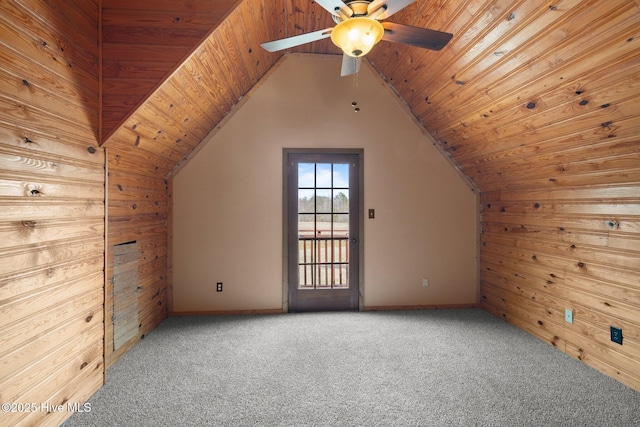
{"x": 323, "y": 206}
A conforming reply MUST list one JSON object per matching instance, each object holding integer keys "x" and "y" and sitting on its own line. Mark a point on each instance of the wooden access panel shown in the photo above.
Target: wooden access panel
{"x": 125, "y": 293}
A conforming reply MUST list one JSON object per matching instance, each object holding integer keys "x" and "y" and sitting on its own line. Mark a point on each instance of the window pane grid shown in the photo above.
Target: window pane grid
{"x": 323, "y": 226}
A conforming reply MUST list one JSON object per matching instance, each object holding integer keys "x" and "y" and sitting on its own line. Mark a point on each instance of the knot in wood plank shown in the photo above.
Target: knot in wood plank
{"x": 611, "y": 224}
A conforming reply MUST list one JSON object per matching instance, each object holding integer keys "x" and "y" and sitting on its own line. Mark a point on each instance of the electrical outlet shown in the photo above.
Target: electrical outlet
{"x": 425, "y": 282}
{"x": 616, "y": 335}
{"x": 219, "y": 287}
{"x": 568, "y": 315}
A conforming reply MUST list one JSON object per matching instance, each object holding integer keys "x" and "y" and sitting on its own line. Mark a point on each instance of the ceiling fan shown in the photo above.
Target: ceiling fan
{"x": 359, "y": 28}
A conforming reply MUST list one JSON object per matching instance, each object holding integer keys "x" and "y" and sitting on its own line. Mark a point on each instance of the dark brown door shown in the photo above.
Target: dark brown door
{"x": 323, "y": 230}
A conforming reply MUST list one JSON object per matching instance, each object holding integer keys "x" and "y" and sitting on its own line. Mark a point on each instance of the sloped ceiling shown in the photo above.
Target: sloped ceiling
{"x": 528, "y": 94}
{"x": 143, "y": 42}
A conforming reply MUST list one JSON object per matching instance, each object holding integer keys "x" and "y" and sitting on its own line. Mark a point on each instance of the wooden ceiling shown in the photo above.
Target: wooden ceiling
{"x": 528, "y": 94}
{"x": 142, "y": 42}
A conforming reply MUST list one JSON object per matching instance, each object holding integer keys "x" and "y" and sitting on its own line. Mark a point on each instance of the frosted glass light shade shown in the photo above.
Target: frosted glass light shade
{"x": 356, "y": 36}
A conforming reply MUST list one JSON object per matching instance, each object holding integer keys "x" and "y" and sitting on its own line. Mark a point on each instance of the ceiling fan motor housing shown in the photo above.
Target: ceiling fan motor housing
{"x": 359, "y": 8}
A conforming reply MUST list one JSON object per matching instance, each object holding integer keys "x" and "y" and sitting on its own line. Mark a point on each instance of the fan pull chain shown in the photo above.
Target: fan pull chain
{"x": 354, "y": 104}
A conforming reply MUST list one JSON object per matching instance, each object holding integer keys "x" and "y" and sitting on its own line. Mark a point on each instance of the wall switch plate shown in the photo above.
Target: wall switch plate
{"x": 425, "y": 282}
{"x": 568, "y": 315}
{"x": 372, "y": 213}
{"x": 219, "y": 287}
{"x": 616, "y": 335}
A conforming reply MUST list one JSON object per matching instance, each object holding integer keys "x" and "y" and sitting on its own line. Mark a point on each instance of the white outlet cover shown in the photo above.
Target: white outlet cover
{"x": 568, "y": 315}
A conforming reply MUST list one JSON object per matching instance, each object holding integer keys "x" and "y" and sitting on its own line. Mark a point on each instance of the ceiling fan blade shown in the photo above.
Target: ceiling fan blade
{"x": 391, "y": 6}
{"x": 294, "y": 41}
{"x": 350, "y": 65}
{"x": 415, "y": 36}
{"x": 332, "y": 5}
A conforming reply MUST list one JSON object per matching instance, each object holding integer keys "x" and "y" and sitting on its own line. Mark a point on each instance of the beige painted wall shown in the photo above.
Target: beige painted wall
{"x": 227, "y": 211}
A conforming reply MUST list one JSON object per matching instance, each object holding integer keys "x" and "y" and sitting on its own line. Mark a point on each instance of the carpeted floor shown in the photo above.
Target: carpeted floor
{"x": 408, "y": 368}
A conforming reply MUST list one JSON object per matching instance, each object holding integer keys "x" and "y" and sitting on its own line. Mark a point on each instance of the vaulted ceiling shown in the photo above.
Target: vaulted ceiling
{"x": 528, "y": 94}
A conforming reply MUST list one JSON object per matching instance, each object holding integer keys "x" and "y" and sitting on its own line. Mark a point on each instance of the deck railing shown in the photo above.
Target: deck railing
{"x": 323, "y": 261}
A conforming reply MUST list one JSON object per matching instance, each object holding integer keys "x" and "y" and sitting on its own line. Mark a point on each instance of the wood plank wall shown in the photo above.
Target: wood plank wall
{"x": 547, "y": 250}
{"x": 51, "y": 209}
{"x": 137, "y": 212}
{"x": 556, "y": 156}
